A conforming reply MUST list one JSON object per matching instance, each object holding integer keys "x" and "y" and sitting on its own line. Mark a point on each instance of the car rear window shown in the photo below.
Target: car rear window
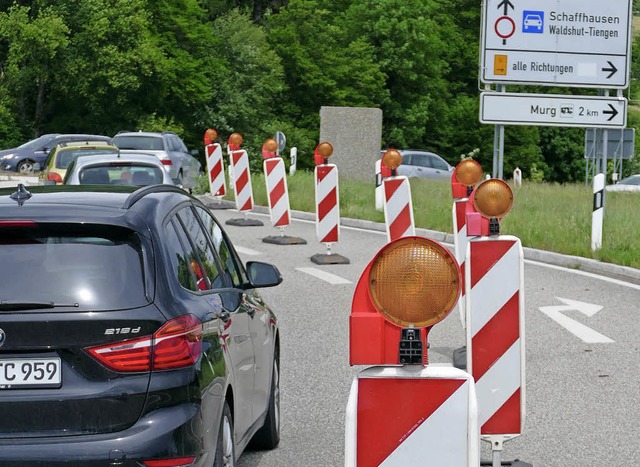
{"x": 150, "y": 143}
{"x": 65, "y": 157}
{"x": 125, "y": 173}
{"x": 97, "y": 267}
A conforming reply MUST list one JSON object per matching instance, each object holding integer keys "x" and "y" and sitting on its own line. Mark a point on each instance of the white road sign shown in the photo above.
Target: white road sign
{"x": 501, "y": 108}
{"x": 575, "y": 43}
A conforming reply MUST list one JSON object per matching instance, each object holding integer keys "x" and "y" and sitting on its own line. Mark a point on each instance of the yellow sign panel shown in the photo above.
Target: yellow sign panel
{"x": 500, "y": 64}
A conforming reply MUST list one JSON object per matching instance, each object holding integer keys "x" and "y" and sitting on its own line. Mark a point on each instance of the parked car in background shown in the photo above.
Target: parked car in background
{"x": 146, "y": 342}
{"x": 182, "y": 166}
{"x": 119, "y": 168}
{"x": 23, "y": 158}
{"x": 630, "y": 183}
{"x": 423, "y": 164}
{"x": 60, "y": 157}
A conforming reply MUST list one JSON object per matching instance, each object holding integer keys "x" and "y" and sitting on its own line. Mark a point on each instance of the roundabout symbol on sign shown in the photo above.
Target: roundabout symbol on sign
{"x": 504, "y": 28}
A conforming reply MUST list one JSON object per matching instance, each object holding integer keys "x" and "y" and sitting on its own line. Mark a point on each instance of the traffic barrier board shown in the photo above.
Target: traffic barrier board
{"x": 495, "y": 333}
{"x": 400, "y": 416}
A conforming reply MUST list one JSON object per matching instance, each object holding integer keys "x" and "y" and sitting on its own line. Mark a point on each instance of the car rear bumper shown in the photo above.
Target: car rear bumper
{"x": 165, "y": 433}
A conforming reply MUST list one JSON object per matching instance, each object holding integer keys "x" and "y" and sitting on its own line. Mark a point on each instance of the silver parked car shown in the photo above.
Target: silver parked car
{"x": 123, "y": 168}
{"x": 423, "y": 164}
{"x": 182, "y": 167}
{"x": 630, "y": 183}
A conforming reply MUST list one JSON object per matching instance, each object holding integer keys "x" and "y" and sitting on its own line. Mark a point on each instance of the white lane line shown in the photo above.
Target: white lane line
{"x": 325, "y": 276}
{"x": 247, "y": 251}
{"x": 585, "y": 273}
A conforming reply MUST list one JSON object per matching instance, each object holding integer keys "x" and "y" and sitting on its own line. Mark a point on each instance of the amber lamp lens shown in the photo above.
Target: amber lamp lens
{"x": 469, "y": 172}
{"x": 493, "y": 198}
{"x": 211, "y": 134}
{"x": 270, "y": 144}
{"x": 325, "y": 149}
{"x": 392, "y": 159}
{"x": 236, "y": 138}
{"x": 414, "y": 281}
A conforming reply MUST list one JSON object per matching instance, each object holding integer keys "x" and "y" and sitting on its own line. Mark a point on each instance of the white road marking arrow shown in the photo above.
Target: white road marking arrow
{"x": 581, "y": 331}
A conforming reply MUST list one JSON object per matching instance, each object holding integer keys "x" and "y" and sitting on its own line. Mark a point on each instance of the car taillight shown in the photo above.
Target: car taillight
{"x": 176, "y": 344}
{"x": 54, "y": 177}
{"x": 18, "y": 223}
{"x": 174, "y": 462}
{"x": 166, "y": 161}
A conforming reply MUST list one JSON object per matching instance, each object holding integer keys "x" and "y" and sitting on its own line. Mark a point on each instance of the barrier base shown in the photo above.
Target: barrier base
{"x": 244, "y": 222}
{"x": 514, "y": 463}
{"x": 220, "y": 204}
{"x": 329, "y": 259}
{"x": 460, "y": 358}
{"x": 284, "y": 240}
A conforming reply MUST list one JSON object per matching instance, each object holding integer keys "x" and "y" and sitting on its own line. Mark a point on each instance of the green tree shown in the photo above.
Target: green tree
{"x": 247, "y": 82}
{"x": 324, "y": 65}
{"x": 32, "y": 44}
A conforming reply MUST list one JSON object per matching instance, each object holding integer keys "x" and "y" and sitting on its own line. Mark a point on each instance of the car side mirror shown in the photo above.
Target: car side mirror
{"x": 263, "y": 274}
{"x": 194, "y": 152}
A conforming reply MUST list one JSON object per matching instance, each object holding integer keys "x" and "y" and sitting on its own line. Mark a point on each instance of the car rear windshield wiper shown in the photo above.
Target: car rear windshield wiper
{"x": 16, "y": 305}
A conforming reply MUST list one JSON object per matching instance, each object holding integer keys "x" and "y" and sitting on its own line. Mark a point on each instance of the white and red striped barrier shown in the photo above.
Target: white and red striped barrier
{"x": 327, "y": 203}
{"x": 398, "y": 208}
{"x": 215, "y": 168}
{"x": 242, "y": 180}
{"x": 277, "y": 192}
{"x": 412, "y": 415}
{"x": 495, "y": 334}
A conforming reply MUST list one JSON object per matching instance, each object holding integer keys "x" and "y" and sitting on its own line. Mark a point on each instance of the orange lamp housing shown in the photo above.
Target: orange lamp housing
{"x": 269, "y": 148}
{"x": 412, "y": 284}
{"x": 489, "y": 202}
{"x": 322, "y": 153}
{"x": 235, "y": 141}
{"x": 210, "y": 136}
{"x": 465, "y": 175}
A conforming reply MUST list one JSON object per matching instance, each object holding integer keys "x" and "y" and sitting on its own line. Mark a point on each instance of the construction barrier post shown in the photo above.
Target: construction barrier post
{"x": 327, "y": 205}
{"x": 277, "y": 194}
{"x": 495, "y": 317}
{"x": 215, "y": 169}
{"x": 242, "y": 181}
{"x": 404, "y": 411}
{"x": 398, "y": 208}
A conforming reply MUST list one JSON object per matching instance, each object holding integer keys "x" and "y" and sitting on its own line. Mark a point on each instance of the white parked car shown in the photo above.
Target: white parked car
{"x": 631, "y": 183}
{"x": 123, "y": 168}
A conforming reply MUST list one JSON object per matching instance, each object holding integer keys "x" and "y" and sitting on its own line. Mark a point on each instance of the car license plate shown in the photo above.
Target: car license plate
{"x": 18, "y": 373}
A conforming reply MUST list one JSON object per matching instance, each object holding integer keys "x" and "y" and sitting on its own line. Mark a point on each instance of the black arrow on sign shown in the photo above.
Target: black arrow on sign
{"x": 613, "y": 112}
{"x": 612, "y": 68}
{"x": 506, "y": 4}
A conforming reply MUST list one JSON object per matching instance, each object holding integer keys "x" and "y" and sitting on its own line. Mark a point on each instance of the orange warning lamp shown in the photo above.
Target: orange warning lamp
{"x": 269, "y": 148}
{"x": 410, "y": 285}
{"x": 235, "y": 141}
{"x": 489, "y": 202}
{"x": 392, "y": 159}
{"x": 465, "y": 176}
{"x": 323, "y": 152}
{"x": 210, "y": 136}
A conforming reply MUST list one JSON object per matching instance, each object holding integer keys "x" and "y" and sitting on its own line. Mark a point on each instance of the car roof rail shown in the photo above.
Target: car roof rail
{"x": 147, "y": 190}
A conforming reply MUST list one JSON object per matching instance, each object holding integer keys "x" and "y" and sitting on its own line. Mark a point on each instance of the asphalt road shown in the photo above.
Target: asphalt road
{"x": 582, "y": 397}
